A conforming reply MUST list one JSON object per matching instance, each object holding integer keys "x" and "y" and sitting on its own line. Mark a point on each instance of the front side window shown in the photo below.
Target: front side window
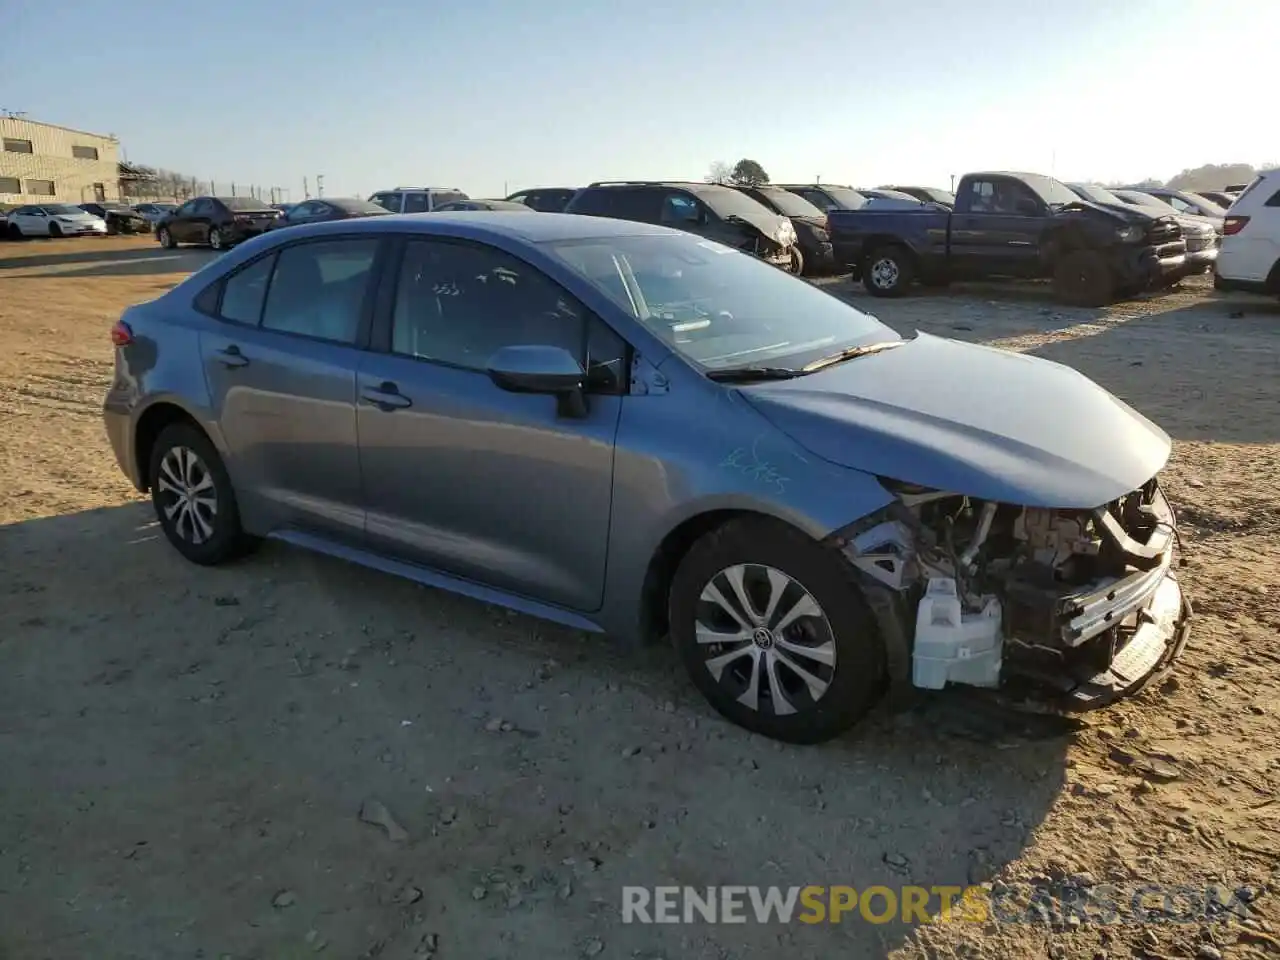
{"x": 388, "y": 201}
{"x": 318, "y": 289}
{"x": 460, "y": 303}
{"x": 679, "y": 209}
{"x": 718, "y": 307}
{"x": 244, "y": 292}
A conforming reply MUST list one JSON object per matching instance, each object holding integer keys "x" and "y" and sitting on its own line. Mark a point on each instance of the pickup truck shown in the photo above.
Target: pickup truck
{"x": 1016, "y": 225}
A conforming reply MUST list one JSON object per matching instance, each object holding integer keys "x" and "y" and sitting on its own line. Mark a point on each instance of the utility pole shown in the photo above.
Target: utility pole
{"x": 953, "y": 183}
{"x": 319, "y": 184}
{"x": 817, "y": 179}
{"x": 306, "y": 191}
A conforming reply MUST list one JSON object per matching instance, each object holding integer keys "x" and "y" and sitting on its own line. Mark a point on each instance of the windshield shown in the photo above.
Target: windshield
{"x": 1097, "y": 194}
{"x": 1051, "y": 191}
{"x": 244, "y": 203}
{"x": 717, "y": 307}
{"x": 353, "y": 205}
{"x": 845, "y": 197}
{"x": 1138, "y": 198}
{"x": 62, "y": 210}
{"x": 728, "y": 202}
{"x": 1213, "y": 208}
{"x": 789, "y": 204}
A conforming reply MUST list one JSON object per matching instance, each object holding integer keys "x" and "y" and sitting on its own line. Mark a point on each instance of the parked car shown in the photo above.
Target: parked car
{"x": 710, "y": 210}
{"x": 1250, "y": 256}
{"x": 119, "y": 217}
{"x": 927, "y": 194}
{"x": 330, "y": 208}
{"x": 634, "y": 431}
{"x": 545, "y": 199}
{"x": 155, "y": 212}
{"x": 812, "y": 250}
{"x": 1139, "y": 198}
{"x": 219, "y": 222}
{"x": 827, "y": 196}
{"x": 880, "y": 193}
{"x": 284, "y": 208}
{"x": 455, "y": 206}
{"x": 1011, "y": 225}
{"x": 52, "y": 220}
{"x": 1184, "y": 201}
{"x": 1199, "y": 232}
{"x": 417, "y": 199}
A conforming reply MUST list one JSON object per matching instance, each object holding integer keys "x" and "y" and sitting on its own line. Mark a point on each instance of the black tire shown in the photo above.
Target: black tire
{"x": 165, "y": 238}
{"x": 225, "y": 539}
{"x": 855, "y": 677}
{"x": 797, "y": 261}
{"x": 888, "y": 271}
{"x": 1083, "y": 278}
{"x": 55, "y": 231}
{"x": 113, "y": 227}
{"x": 15, "y": 232}
{"x": 216, "y": 240}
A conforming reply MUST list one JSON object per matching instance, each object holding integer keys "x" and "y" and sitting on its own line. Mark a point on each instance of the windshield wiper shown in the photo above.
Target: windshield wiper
{"x": 753, "y": 373}
{"x": 851, "y": 353}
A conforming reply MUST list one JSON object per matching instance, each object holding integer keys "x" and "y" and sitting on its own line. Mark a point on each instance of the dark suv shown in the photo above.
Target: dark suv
{"x": 544, "y": 199}
{"x": 706, "y": 209}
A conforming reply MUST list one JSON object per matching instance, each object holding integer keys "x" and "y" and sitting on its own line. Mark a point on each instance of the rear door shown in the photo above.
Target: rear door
{"x": 391, "y": 200}
{"x": 496, "y": 487}
{"x": 281, "y": 370}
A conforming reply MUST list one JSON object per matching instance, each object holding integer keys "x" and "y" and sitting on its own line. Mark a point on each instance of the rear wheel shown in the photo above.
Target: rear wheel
{"x": 775, "y": 633}
{"x": 166, "y": 238}
{"x": 216, "y": 240}
{"x": 55, "y": 231}
{"x": 193, "y": 497}
{"x": 15, "y": 232}
{"x": 888, "y": 271}
{"x": 1082, "y": 278}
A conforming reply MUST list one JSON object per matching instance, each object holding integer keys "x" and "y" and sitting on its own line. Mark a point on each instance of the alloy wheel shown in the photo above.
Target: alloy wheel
{"x": 765, "y": 639}
{"x": 215, "y": 238}
{"x": 884, "y": 273}
{"x": 187, "y": 495}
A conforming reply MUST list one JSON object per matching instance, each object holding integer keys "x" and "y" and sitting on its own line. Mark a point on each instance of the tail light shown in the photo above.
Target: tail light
{"x": 121, "y": 335}
{"x": 1233, "y": 225}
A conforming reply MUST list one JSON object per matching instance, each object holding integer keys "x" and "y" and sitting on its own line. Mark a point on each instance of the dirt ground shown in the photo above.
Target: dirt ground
{"x": 184, "y": 753}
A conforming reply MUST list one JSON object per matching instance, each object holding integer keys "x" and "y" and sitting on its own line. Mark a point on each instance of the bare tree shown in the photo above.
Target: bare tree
{"x": 720, "y": 172}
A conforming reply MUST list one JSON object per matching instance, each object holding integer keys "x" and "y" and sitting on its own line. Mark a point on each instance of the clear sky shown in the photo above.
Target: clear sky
{"x": 479, "y": 94}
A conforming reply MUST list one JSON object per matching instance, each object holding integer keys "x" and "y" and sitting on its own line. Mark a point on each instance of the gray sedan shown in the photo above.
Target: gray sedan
{"x": 637, "y": 431}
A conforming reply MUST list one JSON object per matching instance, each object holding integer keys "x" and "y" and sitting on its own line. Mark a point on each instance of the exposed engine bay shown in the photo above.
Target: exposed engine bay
{"x": 1082, "y": 601}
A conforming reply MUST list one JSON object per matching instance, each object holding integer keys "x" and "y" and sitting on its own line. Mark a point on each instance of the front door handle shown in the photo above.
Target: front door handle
{"x": 386, "y": 397}
{"x": 232, "y": 357}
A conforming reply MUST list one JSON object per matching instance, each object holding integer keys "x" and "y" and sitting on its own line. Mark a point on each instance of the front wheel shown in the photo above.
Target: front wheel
{"x": 216, "y": 240}
{"x": 1083, "y": 278}
{"x": 888, "y": 271}
{"x": 797, "y": 261}
{"x": 193, "y": 497}
{"x": 775, "y": 633}
{"x": 165, "y": 238}
{"x": 55, "y": 231}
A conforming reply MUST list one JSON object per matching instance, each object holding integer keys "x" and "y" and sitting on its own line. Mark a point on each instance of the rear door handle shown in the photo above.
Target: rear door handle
{"x": 232, "y": 357}
{"x": 386, "y": 397}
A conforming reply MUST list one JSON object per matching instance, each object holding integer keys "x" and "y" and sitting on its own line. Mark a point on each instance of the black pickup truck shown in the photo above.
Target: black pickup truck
{"x": 1017, "y": 225}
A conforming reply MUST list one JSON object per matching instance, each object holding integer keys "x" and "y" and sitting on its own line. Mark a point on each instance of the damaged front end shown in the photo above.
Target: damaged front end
{"x": 1081, "y": 605}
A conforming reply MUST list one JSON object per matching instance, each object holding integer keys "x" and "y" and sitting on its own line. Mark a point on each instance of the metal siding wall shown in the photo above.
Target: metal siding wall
{"x": 51, "y": 159}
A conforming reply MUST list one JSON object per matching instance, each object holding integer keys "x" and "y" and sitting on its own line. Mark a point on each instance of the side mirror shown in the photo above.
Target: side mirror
{"x": 541, "y": 368}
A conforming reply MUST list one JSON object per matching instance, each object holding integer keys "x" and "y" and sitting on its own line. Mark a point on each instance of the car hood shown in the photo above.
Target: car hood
{"x": 1122, "y": 212}
{"x": 972, "y": 420}
{"x": 82, "y": 215}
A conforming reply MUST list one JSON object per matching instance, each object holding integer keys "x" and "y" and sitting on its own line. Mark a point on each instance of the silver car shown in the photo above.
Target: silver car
{"x": 638, "y": 431}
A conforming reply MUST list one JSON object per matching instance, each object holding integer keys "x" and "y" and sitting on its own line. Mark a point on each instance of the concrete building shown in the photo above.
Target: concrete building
{"x": 41, "y": 163}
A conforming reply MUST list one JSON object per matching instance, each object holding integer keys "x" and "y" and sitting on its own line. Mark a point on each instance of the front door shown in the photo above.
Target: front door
{"x": 180, "y": 223}
{"x": 996, "y": 228}
{"x": 464, "y": 477}
{"x": 281, "y": 370}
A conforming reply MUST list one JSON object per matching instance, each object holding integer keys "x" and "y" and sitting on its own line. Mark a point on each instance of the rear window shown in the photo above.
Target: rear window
{"x": 243, "y": 203}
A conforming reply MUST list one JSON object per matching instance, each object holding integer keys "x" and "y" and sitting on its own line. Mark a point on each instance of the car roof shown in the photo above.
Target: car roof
{"x": 530, "y": 226}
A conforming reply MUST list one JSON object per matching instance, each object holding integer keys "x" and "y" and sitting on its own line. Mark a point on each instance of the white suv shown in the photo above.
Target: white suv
{"x": 417, "y": 199}
{"x": 1250, "y": 256}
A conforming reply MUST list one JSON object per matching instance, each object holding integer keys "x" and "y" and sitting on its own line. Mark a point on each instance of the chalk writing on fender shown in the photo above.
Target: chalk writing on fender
{"x": 749, "y": 464}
